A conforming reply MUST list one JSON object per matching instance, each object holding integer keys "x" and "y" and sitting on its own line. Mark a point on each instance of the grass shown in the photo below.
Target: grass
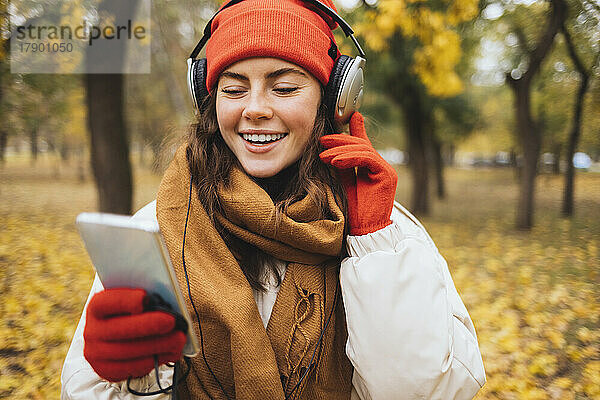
{"x": 534, "y": 297}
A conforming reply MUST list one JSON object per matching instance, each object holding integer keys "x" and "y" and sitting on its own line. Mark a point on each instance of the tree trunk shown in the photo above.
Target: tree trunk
{"x": 575, "y": 134}
{"x": 33, "y": 143}
{"x": 438, "y": 162}
{"x": 451, "y": 154}
{"x": 64, "y": 152}
{"x": 109, "y": 144}
{"x": 3, "y": 143}
{"x": 531, "y": 140}
{"x": 557, "y": 150}
{"x": 416, "y": 132}
{"x": 528, "y": 133}
{"x": 109, "y": 147}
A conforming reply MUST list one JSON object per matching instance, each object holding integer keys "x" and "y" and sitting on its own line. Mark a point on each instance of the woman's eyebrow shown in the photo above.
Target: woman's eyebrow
{"x": 270, "y": 75}
{"x": 283, "y": 71}
{"x": 235, "y": 75}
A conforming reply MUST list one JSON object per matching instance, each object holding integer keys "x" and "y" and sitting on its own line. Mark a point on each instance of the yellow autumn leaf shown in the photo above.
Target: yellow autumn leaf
{"x": 543, "y": 365}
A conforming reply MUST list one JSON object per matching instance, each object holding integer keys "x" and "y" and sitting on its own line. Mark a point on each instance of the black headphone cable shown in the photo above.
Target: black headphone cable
{"x": 190, "y": 294}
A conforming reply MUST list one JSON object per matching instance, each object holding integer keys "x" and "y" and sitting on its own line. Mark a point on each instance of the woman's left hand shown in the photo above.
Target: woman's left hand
{"x": 372, "y": 187}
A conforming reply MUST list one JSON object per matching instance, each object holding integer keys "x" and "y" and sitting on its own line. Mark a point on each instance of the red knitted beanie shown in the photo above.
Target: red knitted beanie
{"x": 288, "y": 29}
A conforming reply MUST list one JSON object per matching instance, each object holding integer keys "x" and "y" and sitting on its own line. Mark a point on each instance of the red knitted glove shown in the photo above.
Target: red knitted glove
{"x": 121, "y": 339}
{"x": 372, "y": 187}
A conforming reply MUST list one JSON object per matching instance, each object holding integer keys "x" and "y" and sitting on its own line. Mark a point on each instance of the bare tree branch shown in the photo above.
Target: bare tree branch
{"x": 559, "y": 10}
{"x": 522, "y": 39}
{"x": 573, "y": 53}
{"x": 544, "y": 44}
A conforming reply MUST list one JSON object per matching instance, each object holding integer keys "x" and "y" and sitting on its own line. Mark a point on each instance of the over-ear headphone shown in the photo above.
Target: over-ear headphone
{"x": 344, "y": 91}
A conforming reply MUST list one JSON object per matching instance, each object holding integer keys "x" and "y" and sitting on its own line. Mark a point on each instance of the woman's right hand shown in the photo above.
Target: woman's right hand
{"x": 121, "y": 339}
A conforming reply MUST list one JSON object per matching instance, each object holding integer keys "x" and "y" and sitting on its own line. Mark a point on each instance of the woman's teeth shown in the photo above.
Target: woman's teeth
{"x": 262, "y": 139}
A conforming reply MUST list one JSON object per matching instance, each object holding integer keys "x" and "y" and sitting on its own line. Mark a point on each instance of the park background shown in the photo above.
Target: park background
{"x": 481, "y": 106}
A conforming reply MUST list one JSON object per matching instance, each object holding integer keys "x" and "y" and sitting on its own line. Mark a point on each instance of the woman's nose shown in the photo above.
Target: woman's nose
{"x": 257, "y": 107}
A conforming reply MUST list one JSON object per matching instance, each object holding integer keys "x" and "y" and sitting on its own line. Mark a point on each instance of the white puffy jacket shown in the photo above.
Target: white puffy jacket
{"x": 409, "y": 333}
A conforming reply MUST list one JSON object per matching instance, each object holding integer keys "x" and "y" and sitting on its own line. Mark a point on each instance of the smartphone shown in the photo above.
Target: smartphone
{"x": 131, "y": 253}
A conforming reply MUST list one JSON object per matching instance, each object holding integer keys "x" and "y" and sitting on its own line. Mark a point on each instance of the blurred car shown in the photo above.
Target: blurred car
{"x": 548, "y": 159}
{"x": 548, "y": 163}
{"x": 502, "y": 159}
{"x": 481, "y": 161}
{"x": 582, "y": 161}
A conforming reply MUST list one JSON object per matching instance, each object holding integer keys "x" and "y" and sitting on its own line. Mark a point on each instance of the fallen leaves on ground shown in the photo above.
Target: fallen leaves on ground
{"x": 533, "y": 297}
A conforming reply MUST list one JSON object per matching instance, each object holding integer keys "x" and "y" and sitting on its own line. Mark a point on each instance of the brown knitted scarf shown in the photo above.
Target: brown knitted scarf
{"x": 247, "y": 360}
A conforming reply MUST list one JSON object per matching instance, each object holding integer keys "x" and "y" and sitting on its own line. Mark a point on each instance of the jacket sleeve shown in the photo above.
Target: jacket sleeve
{"x": 409, "y": 333}
{"x": 80, "y": 382}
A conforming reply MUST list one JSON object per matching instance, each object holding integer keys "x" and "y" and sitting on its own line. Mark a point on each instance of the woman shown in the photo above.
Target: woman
{"x": 305, "y": 279}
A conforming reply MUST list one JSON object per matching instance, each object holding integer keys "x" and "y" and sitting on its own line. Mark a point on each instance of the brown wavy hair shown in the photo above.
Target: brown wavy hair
{"x": 210, "y": 161}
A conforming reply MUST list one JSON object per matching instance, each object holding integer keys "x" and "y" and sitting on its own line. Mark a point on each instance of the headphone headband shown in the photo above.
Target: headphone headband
{"x": 322, "y": 7}
{"x": 344, "y": 90}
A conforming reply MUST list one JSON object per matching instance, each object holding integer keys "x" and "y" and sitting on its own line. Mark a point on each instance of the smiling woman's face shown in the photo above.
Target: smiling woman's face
{"x": 266, "y": 110}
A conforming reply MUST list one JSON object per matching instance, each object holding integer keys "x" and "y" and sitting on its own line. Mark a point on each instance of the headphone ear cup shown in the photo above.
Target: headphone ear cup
{"x": 334, "y": 86}
{"x": 197, "y": 82}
